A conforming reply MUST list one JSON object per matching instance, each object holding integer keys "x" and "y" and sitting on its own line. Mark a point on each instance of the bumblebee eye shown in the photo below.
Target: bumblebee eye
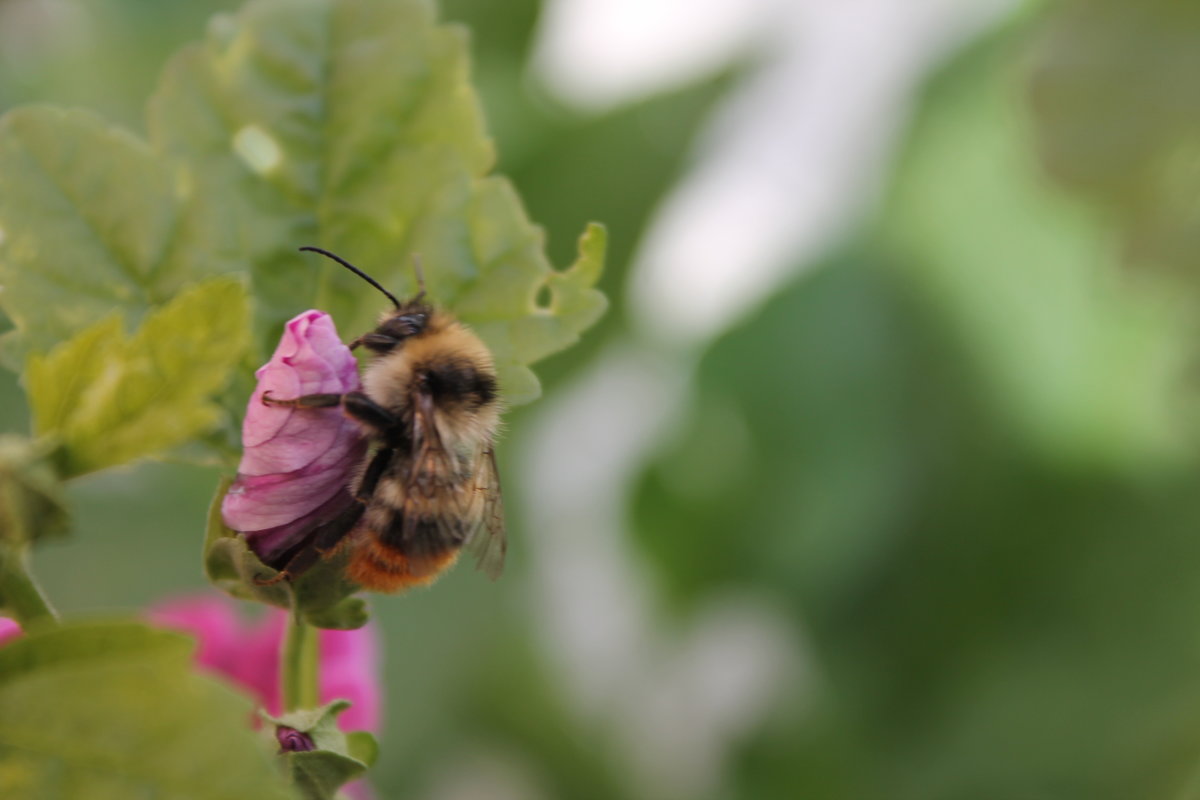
{"x": 403, "y": 326}
{"x": 411, "y": 324}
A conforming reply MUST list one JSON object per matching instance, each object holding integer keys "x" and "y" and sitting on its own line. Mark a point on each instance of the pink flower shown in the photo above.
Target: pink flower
{"x": 8, "y": 629}
{"x": 296, "y": 463}
{"x": 247, "y": 653}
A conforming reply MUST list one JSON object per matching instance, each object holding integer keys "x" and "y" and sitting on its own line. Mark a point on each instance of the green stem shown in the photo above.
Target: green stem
{"x": 20, "y": 591}
{"x": 298, "y": 667}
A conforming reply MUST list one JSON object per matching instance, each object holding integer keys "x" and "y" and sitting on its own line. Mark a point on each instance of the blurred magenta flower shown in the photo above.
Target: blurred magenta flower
{"x": 296, "y": 463}
{"x": 8, "y": 629}
{"x": 247, "y": 653}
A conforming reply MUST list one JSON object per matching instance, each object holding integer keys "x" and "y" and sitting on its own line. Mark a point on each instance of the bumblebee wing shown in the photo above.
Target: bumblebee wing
{"x": 428, "y": 511}
{"x": 487, "y": 540}
{"x": 431, "y": 470}
{"x": 451, "y": 502}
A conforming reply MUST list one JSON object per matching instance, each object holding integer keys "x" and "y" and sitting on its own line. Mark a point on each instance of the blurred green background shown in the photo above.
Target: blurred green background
{"x": 919, "y": 519}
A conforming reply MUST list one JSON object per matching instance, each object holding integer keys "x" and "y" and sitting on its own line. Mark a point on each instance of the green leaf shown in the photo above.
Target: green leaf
{"x": 91, "y": 221}
{"x": 323, "y": 592}
{"x": 1117, "y": 118}
{"x": 524, "y": 338}
{"x": 339, "y": 757}
{"x": 362, "y": 746}
{"x": 318, "y": 774}
{"x": 100, "y": 710}
{"x": 351, "y": 124}
{"x": 31, "y": 498}
{"x": 32, "y": 507}
{"x": 1084, "y": 361}
{"x": 110, "y": 400}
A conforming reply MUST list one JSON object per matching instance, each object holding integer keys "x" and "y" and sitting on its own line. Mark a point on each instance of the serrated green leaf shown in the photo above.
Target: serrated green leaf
{"x": 58, "y": 382}
{"x": 351, "y": 124}
{"x": 99, "y": 710}
{"x": 91, "y": 220}
{"x": 529, "y": 336}
{"x": 323, "y": 592}
{"x": 110, "y": 400}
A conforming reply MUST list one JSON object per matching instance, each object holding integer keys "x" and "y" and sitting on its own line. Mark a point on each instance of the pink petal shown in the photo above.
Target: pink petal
{"x": 296, "y": 463}
{"x": 271, "y": 543}
{"x": 312, "y": 323}
{"x": 346, "y": 657}
{"x": 310, "y": 359}
{"x": 265, "y": 501}
{"x": 211, "y": 620}
{"x": 257, "y": 666}
{"x": 9, "y": 629}
{"x": 359, "y": 790}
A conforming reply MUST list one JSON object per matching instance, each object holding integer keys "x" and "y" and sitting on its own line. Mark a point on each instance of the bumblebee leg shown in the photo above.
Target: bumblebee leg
{"x": 362, "y": 408}
{"x": 304, "y": 401}
{"x": 319, "y": 542}
{"x": 355, "y": 405}
{"x": 374, "y": 472}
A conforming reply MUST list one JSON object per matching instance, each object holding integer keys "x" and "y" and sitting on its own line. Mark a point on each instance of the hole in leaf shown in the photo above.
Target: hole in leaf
{"x": 544, "y": 299}
{"x": 257, "y": 149}
{"x": 2, "y": 235}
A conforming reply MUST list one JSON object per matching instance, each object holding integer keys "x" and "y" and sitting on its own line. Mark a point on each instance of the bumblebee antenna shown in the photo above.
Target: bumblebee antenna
{"x": 358, "y": 272}
{"x": 420, "y": 276}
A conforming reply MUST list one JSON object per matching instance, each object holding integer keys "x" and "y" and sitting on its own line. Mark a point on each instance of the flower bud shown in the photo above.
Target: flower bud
{"x": 293, "y": 741}
{"x": 297, "y": 463}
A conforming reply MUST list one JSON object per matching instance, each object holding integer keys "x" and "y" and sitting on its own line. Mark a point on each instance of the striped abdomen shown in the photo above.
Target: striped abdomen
{"x": 407, "y": 538}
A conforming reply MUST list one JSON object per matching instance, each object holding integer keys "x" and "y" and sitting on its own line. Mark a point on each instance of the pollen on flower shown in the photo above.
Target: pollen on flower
{"x": 257, "y": 148}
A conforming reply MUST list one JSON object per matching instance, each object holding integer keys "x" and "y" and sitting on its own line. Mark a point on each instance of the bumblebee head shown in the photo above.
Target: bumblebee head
{"x": 410, "y": 318}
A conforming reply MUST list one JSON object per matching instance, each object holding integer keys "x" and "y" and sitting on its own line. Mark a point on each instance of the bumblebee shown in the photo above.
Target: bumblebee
{"x": 429, "y": 487}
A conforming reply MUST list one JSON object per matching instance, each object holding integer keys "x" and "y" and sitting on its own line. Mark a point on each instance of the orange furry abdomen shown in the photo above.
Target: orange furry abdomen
{"x": 381, "y": 569}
